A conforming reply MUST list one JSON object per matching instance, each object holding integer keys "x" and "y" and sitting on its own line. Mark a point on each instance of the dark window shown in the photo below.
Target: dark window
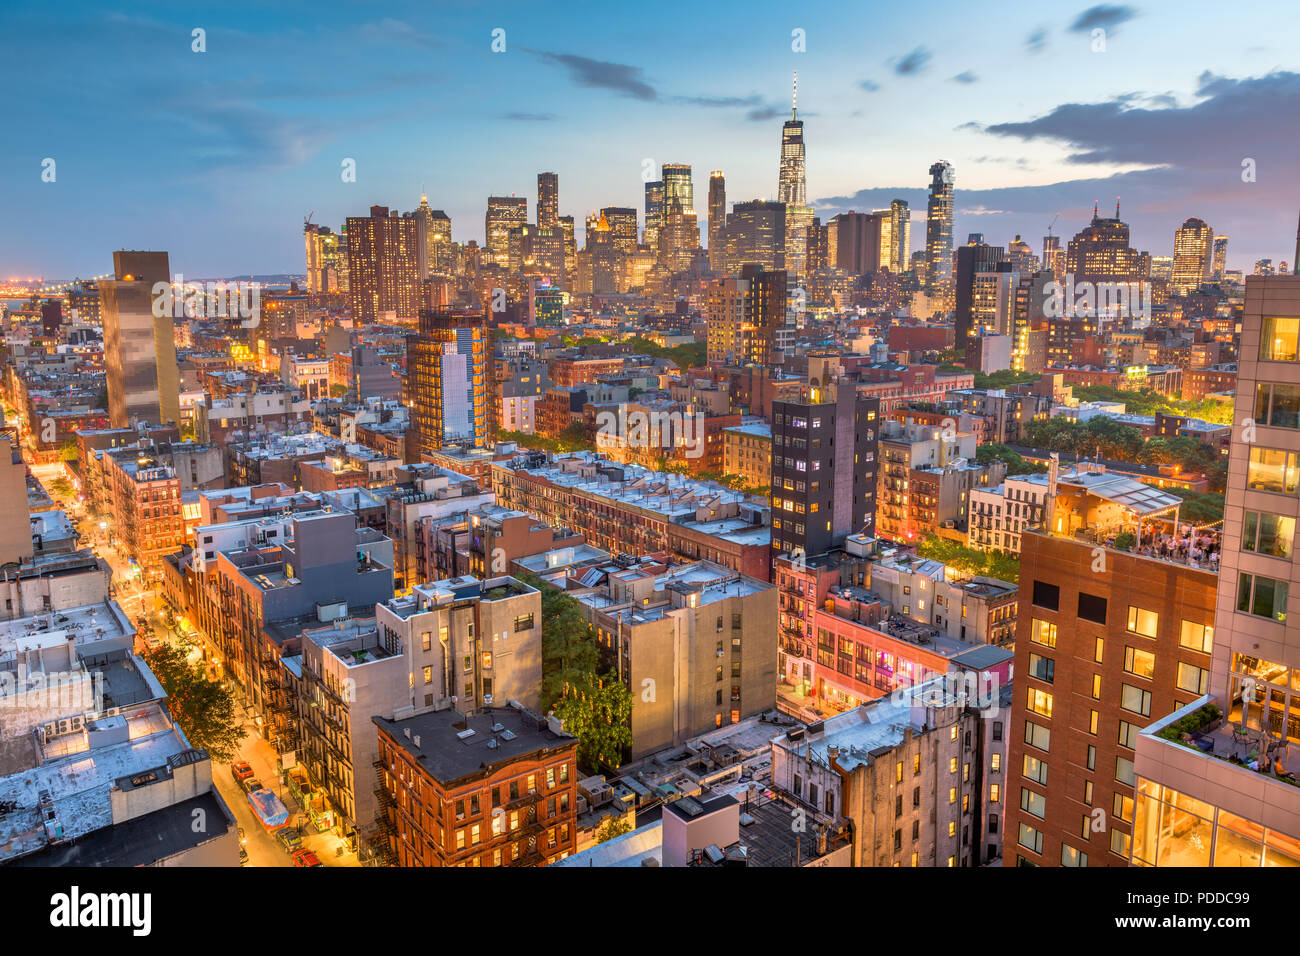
{"x": 1092, "y": 608}
{"x": 1047, "y": 595}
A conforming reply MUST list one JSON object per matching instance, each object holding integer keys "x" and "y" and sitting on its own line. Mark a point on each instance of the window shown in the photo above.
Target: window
{"x": 1277, "y": 405}
{"x": 916, "y": 765}
{"x": 1139, "y": 663}
{"x": 1271, "y": 469}
{"x": 1036, "y": 735}
{"x": 426, "y": 640}
{"x": 1039, "y": 701}
{"x": 1030, "y": 838}
{"x": 995, "y": 762}
{"x": 1096, "y": 687}
{"x": 1124, "y": 771}
{"x": 997, "y": 730}
{"x": 1193, "y": 679}
{"x": 1097, "y": 650}
{"x": 1123, "y": 807}
{"x": 1128, "y": 734}
{"x": 428, "y": 675}
{"x": 1034, "y": 803}
{"x": 523, "y": 622}
{"x": 1119, "y": 843}
{"x": 952, "y": 794}
{"x": 1043, "y": 632}
{"x": 1268, "y": 534}
{"x": 1043, "y": 668}
{"x": 1092, "y": 608}
{"x": 1072, "y": 857}
{"x": 1264, "y": 597}
{"x": 995, "y": 792}
{"x": 1199, "y": 637}
{"x": 1092, "y": 757}
{"x": 1047, "y": 595}
{"x": 1092, "y": 722}
{"x": 1035, "y": 769}
{"x": 1143, "y": 622}
{"x": 1279, "y": 340}
{"x": 898, "y": 772}
{"x": 1135, "y": 699}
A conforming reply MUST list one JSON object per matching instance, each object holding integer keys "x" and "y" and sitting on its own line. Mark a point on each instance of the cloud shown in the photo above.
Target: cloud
{"x": 720, "y": 101}
{"x": 912, "y": 63}
{"x": 966, "y": 77}
{"x": 1036, "y": 42}
{"x": 764, "y": 113}
{"x": 600, "y": 74}
{"x": 390, "y": 31}
{"x": 1104, "y": 16}
{"x": 529, "y": 117}
{"x": 868, "y": 85}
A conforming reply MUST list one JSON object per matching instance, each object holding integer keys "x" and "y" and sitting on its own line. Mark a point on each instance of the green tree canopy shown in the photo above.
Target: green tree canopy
{"x": 204, "y": 709}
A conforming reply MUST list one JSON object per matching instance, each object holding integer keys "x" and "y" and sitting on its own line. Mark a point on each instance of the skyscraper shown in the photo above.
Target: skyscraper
{"x": 622, "y": 227}
{"x": 654, "y": 213}
{"x": 1219, "y": 263}
{"x": 503, "y": 213}
{"x": 1054, "y": 256}
{"x": 792, "y": 184}
{"x": 973, "y": 260}
{"x": 448, "y": 363}
{"x": 900, "y": 253}
{"x": 139, "y": 346}
{"x": 938, "y": 229}
{"x": 548, "y": 200}
{"x": 678, "y": 186}
{"x": 853, "y": 242}
{"x": 1193, "y": 255}
{"x": 717, "y": 221}
{"x": 383, "y": 265}
{"x": 1100, "y": 252}
{"x": 755, "y": 235}
{"x": 1232, "y": 805}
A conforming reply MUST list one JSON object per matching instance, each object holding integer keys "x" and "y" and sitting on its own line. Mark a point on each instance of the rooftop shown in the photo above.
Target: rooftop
{"x": 451, "y": 746}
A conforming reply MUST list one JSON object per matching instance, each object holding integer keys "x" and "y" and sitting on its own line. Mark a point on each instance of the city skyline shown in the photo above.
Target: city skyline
{"x": 250, "y": 156}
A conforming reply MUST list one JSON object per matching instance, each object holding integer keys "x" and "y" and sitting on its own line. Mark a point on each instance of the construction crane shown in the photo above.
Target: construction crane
{"x": 306, "y": 223}
{"x": 1053, "y": 223}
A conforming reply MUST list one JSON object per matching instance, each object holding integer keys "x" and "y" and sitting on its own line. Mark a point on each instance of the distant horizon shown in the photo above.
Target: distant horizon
{"x": 217, "y": 156}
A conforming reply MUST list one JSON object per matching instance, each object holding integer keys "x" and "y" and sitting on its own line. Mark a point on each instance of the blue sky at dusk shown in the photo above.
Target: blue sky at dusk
{"x": 218, "y": 156}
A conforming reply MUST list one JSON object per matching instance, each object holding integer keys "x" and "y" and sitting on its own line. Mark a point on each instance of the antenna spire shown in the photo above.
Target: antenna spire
{"x": 794, "y": 99}
{"x": 1116, "y": 207}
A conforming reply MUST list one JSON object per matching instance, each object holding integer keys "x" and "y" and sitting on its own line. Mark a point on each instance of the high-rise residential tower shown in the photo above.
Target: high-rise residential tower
{"x": 654, "y": 213}
{"x": 900, "y": 252}
{"x": 503, "y": 214}
{"x": 1193, "y": 255}
{"x": 548, "y": 200}
{"x": 938, "y": 228}
{"x": 383, "y": 265}
{"x": 448, "y": 367}
{"x": 1219, "y": 258}
{"x": 717, "y": 221}
{"x": 139, "y": 345}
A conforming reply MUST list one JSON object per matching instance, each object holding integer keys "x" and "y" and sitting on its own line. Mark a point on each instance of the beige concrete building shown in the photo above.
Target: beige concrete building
{"x": 696, "y": 644}
{"x": 747, "y": 452}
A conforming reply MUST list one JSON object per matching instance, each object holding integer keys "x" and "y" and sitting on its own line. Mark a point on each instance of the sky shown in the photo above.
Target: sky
{"x": 1181, "y": 109}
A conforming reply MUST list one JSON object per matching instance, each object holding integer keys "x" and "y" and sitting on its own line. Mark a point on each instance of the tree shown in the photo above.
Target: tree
{"x": 993, "y": 564}
{"x": 338, "y": 391}
{"x": 599, "y": 714}
{"x": 61, "y": 487}
{"x": 69, "y": 450}
{"x": 611, "y": 828}
{"x": 204, "y": 709}
{"x": 570, "y": 654}
{"x": 1016, "y": 463}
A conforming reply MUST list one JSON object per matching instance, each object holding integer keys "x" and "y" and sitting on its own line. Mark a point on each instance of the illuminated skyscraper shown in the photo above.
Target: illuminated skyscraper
{"x": 756, "y": 235}
{"x": 678, "y": 186}
{"x": 1054, "y": 256}
{"x": 717, "y": 221}
{"x": 548, "y": 200}
{"x": 1193, "y": 255}
{"x": 447, "y": 371}
{"x": 383, "y": 265}
{"x": 1100, "y": 252}
{"x": 503, "y": 214}
{"x": 654, "y": 212}
{"x": 900, "y": 233}
{"x": 792, "y": 185}
{"x": 938, "y": 228}
{"x": 139, "y": 346}
{"x": 1219, "y": 264}
{"x": 622, "y": 227}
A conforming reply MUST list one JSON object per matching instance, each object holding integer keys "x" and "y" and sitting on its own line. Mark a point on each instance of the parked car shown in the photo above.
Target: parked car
{"x": 289, "y": 838}
{"x": 306, "y": 858}
{"x": 250, "y": 784}
{"x": 241, "y": 771}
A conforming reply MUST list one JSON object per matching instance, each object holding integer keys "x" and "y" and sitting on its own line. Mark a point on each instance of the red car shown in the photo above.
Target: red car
{"x": 306, "y": 858}
{"x": 241, "y": 771}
